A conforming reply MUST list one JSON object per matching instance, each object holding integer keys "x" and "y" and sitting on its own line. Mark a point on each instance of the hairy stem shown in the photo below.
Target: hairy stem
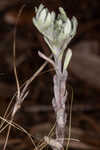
{"x": 60, "y": 95}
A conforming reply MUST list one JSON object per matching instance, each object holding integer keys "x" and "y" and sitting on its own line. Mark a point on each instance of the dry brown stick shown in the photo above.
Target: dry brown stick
{"x": 17, "y": 82}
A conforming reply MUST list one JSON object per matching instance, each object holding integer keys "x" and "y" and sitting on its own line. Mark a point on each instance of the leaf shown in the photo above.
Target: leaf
{"x": 67, "y": 59}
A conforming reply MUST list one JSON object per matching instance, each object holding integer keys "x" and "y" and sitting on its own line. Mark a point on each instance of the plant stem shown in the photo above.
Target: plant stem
{"x": 60, "y": 95}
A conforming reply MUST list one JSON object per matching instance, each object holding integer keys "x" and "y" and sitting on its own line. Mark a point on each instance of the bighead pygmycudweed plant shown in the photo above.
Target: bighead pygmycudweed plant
{"x": 57, "y": 31}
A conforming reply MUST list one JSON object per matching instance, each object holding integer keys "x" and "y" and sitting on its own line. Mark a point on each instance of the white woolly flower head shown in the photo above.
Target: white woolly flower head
{"x": 58, "y": 31}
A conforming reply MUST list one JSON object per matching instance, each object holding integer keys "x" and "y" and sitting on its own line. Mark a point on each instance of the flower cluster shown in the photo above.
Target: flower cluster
{"x": 57, "y": 30}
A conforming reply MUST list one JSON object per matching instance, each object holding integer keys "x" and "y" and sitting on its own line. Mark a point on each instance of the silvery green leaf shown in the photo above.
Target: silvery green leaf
{"x": 74, "y": 26}
{"x": 42, "y": 16}
{"x": 62, "y": 13}
{"x": 67, "y": 59}
{"x": 47, "y": 20}
{"x": 38, "y": 11}
{"x": 53, "y": 16}
{"x": 67, "y": 27}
